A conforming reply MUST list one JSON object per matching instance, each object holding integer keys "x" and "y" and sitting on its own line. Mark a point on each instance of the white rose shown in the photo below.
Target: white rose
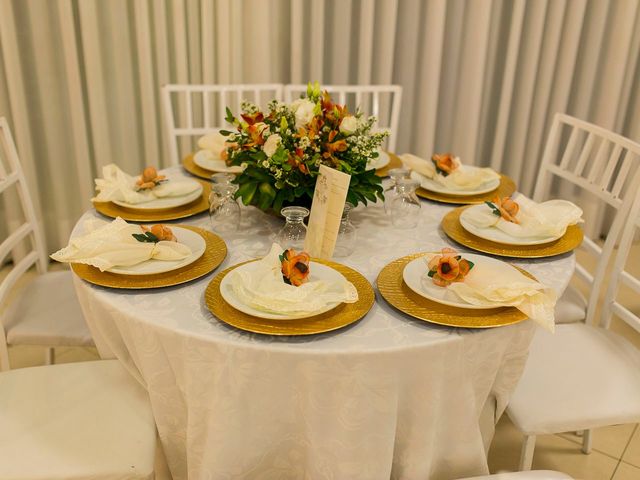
{"x": 303, "y": 109}
{"x": 349, "y": 124}
{"x": 214, "y": 142}
{"x": 271, "y": 145}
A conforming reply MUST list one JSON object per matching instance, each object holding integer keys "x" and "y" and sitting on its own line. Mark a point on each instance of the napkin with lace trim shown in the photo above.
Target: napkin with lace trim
{"x": 119, "y": 186}
{"x": 461, "y": 179}
{"x": 546, "y": 219}
{"x": 113, "y": 245}
{"x": 263, "y": 288}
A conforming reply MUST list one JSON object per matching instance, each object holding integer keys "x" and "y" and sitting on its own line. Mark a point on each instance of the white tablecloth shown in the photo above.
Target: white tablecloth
{"x": 387, "y": 397}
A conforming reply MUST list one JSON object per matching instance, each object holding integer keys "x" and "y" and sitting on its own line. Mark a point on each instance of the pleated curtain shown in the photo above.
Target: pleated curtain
{"x": 80, "y": 79}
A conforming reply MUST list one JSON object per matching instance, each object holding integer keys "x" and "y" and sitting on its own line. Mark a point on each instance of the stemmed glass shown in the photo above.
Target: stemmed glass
{"x": 224, "y": 210}
{"x": 392, "y": 192}
{"x": 293, "y": 233}
{"x": 405, "y": 207}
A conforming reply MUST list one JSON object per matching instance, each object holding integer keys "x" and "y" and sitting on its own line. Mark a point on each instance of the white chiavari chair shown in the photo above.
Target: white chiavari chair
{"x": 381, "y": 101}
{"x": 75, "y": 420}
{"x": 584, "y": 376}
{"x": 46, "y": 312}
{"x": 195, "y": 110}
{"x": 600, "y": 165}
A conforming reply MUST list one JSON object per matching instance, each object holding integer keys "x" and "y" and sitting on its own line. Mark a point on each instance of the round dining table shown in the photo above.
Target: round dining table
{"x": 387, "y": 397}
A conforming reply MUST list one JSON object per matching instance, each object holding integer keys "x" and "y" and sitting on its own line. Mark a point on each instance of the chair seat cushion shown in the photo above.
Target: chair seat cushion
{"x": 47, "y": 312}
{"x": 75, "y": 420}
{"x": 531, "y": 475}
{"x": 571, "y": 307}
{"x": 579, "y": 378}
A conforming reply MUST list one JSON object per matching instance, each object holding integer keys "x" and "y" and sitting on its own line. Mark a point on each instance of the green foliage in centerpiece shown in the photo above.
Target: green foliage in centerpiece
{"x": 284, "y": 148}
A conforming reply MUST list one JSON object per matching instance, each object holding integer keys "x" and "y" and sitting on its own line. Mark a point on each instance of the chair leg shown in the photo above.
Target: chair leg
{"x": 50, "y": 356}
{"x": 526, "y": 454}
{"x": 4, "y": 357}
{"x": 586, "y": 441}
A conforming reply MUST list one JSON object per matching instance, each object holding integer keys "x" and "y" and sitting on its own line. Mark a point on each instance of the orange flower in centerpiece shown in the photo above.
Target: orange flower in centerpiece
{"x": 149, "y": 179}
{"x": 448, "y": 267}
{"x": 295, "y": 267}
{"x": 505, "y": 208}
{"x": 252, "y": 118}
{"x": 445, "y": 163}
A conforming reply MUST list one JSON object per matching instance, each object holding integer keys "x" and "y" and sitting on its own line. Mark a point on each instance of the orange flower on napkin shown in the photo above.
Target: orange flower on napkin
{"x": 155, "y": 234}
{"x": 448, "y": 267}
{"x": 149, "y": 179}
{"x": 295, "y": 267}
{"x": 505, "y": 208}
{"x": 445, "y": 163}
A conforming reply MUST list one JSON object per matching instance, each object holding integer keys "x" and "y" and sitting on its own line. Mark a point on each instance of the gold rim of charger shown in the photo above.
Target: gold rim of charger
{"x": 339, "y": 317}
{"x": 453, "y": 229}
{"x": 201, "y": 204}
{"x": 214, "y": 253}
{"x": 397, "y": 294}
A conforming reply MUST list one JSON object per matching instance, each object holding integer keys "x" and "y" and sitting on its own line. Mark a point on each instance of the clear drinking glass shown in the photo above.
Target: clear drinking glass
{"x": 224, "y": 210}
{"x": 405, "y": 208}
{"x": 392, "y": 192}
{"x": 346, "y": 241}
{"x": 294, "y": 231}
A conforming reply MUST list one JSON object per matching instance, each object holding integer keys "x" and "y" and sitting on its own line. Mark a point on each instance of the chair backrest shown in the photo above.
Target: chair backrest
{"x": 195, "y": 110}
{"x": 381, "y": 101}
{"x": 622, "y": 277}
{"x": 602, "y": 164}
{"x": 27, "y": 232}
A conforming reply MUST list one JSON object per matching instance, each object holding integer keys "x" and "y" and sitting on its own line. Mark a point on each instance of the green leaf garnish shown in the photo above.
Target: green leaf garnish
{"x": 146, "y": 237}
{"x": 495, "y": 210}
{"x": 431, "y": 273}
{"x": 471, "y": 264}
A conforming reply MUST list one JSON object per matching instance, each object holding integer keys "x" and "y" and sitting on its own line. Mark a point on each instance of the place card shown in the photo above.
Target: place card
{"x": 329, "y": 198}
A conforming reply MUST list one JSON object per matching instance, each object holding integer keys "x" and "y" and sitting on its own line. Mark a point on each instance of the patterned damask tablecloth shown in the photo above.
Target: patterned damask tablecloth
{"x": 388, "y": 397}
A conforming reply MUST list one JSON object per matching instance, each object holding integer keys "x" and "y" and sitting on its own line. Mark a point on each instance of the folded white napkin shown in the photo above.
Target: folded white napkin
{"x": 464, "y": 178}
{"x": 264, "y": 289}
{"x": 501, "y": 285}
{"x": 214, "y": 143}
{"x": 119, "y": 186}
{"x": 546, "y": 219}
{"x": 113, "y": 245}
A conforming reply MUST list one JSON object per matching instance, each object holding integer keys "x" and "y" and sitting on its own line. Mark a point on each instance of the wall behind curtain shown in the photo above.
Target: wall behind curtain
{"x": 80, "y": 79}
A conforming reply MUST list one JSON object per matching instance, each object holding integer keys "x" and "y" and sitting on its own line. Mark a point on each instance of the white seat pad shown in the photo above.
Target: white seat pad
{"x": 579, "y": 378}
{"x": 47, "y": 312}
{"x": 571, "y": 307}
{"x": 75, "y": 420}
{"x": 531, "y": 475}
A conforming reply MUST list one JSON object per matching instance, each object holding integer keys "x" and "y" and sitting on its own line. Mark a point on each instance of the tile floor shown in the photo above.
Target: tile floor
{"x": 616, "y": 449}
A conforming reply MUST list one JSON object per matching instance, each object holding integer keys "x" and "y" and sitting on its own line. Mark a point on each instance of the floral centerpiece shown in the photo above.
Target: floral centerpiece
{"x": 282, "y": 150}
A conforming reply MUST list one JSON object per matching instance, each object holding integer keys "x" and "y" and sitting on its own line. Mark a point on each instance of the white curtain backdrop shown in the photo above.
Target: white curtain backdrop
{"x": 80, "y": 79}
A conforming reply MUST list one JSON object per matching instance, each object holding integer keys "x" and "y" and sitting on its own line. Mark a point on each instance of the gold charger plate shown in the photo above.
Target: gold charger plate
{"x": 214, "y": 253}
{"x": 505, "y": 189}
{"x": 400, "y": 296}
{"x": 200, "y": 205}
{"x": 339, "y": 317}
{"x": 453, "y": 228}
{"x": 394, "y": 162}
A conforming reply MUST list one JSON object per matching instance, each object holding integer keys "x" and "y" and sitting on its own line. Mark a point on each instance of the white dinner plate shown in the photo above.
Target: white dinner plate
{"x": 193, "y": 240}
{"x": 416, "y": 278}
{"x": 205, "y": 159}
{"x": 433, "y": 186}
{"x": 381, "y": 161}
{"x": 496, "y": 235}
{"x": 318, "y": 272}
{"x": 166, "y": 202}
